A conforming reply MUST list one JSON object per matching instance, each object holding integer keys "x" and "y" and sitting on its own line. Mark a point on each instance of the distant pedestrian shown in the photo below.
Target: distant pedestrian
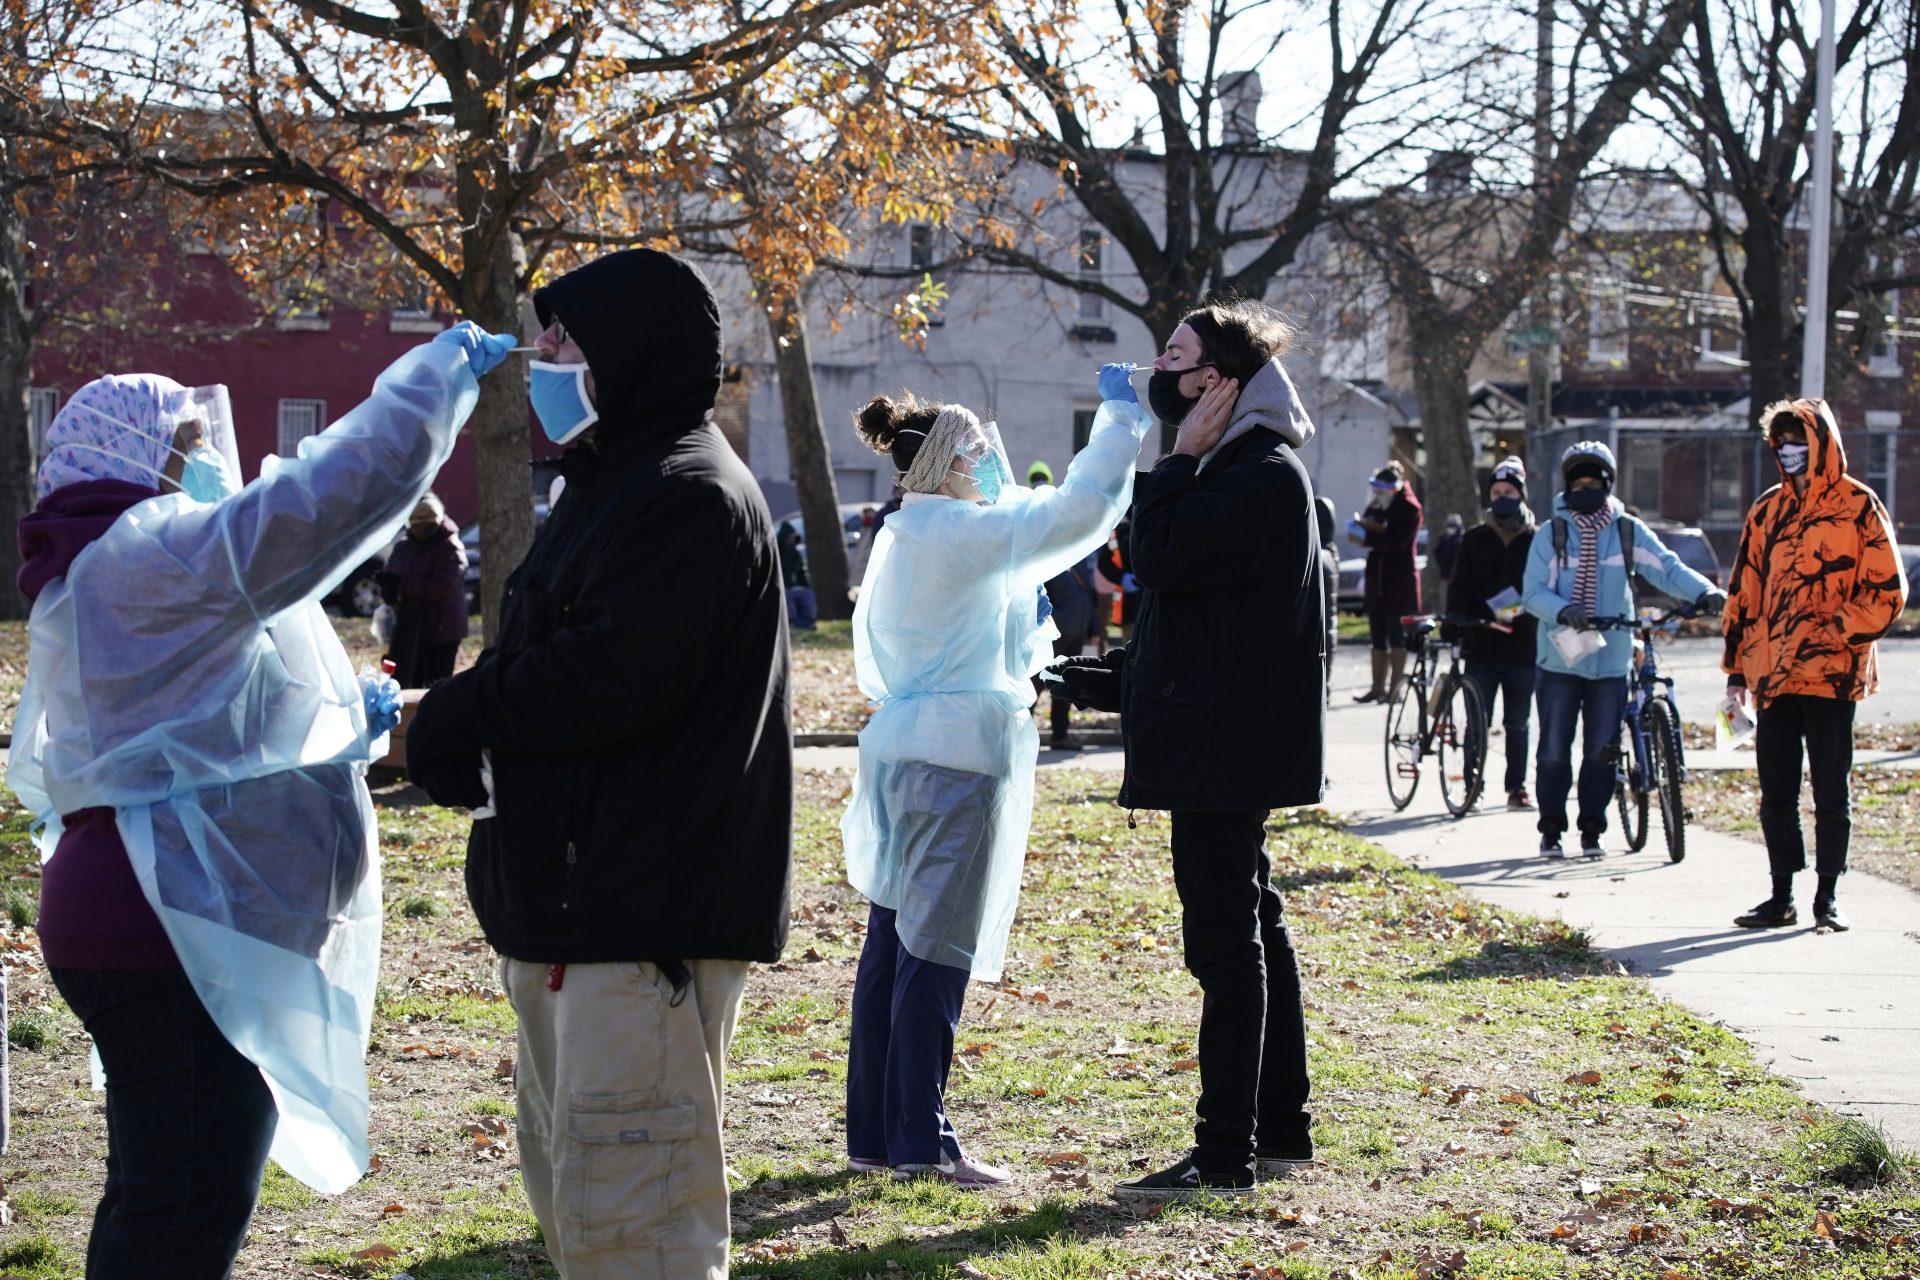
{"x": 1390, "y": 530}
{"x": 425, "y": 580}
{"x": 1330, "y": 575}
{"x": 793, "y": 575}
{"x": 1817, "y": 580}
{"x": 1492, "y": 566}
{"x": 1114, "y": 563}
{"x": 1077, "y": 613}
{"x": 1039, "y": 473}
{"x": 1446, "y": 552}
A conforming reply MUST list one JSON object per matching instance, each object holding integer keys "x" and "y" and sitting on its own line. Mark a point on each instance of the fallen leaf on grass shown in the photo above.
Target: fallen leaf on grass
{"x": 376, "y": 1253}
{"x": 1584, "y": 1077}
{"x": 503, "y": 1070}
{"x": 394, "y": 1210}
{"x": 837, "y": 1233}
{"x": 1063, "y": 1157}
{"x": 1185, "y": 1064}
{"x": 1522, "y": 1098}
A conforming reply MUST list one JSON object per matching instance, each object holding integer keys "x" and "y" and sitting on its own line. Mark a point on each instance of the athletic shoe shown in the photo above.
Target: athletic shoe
{"x": 859, "y": 1164}
{"x": 1826, "y": 915}
{"x": 1068, "y": 743}
{"x": 1771, "y": 914}
{"x": 1182, "y": 1182}
{"x": 1550, "y": 846}
{"x": 966, "y": 1172}
{"x": 1271, "y": 1164}
{"x": 1519, "y": 799}
{"x": 1590, "y": 846}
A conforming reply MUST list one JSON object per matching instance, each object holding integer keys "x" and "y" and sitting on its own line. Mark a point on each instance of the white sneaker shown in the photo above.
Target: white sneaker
{"x": 967, "y": 1171}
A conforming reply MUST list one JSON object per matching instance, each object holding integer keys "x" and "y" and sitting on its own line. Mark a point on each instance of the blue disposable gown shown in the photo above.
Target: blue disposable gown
{"x": 183, "y": 674}
{"x": 947, "y": 636}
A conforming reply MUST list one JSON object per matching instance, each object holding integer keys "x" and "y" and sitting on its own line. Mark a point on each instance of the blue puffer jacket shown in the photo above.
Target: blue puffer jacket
{"x": 1549, "y": 587}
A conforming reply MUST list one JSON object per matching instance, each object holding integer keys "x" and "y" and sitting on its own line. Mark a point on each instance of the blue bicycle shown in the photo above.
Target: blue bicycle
{"x": 1657, "y": 765}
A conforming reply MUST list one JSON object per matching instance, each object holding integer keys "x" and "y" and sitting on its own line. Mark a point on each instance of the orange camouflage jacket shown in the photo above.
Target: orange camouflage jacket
{"x": 1817, "y": 579}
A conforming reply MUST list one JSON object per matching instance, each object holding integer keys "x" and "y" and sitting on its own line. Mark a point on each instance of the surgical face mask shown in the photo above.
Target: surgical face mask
{"x": 206, "y": 478}
{"x": 989, "y": 475}
{"x": 1586, "y": 501}
{"x": 560, "y": 400}
{"x": 1164, "y": 397}
{"x": 1793, "y": 458}
{"x": 1504, "y": 508}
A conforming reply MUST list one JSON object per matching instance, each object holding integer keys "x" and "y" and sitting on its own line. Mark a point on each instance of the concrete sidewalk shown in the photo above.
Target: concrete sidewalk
{"x": 1839, "y": 1013}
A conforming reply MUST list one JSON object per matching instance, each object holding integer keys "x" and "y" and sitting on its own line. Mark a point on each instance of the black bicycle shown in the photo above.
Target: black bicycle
{"x": 1439, "y": 714}
{"x": 1656, "y": 768}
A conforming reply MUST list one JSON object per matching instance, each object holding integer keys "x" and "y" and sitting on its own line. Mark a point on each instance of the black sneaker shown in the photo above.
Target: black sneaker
{"x": 1826, "y": 915}
{"x": 1774, "y": 913}
{"x": 1550, "y": 846}
{"x": 1068, "y": 743}
{"x": 1281, "y": 1164}
{"x": 1182, "y": 1182}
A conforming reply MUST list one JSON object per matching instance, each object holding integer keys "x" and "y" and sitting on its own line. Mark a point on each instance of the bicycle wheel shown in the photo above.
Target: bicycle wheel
{"x": 1664, "y": 729}
{"x": 1460, "y": 747}
{"x": 1631, "y": 800}
{"x": 1406, "y": 716}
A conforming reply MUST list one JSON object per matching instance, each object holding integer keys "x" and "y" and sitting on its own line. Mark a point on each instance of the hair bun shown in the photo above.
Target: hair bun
{"x": 878, "y": 422}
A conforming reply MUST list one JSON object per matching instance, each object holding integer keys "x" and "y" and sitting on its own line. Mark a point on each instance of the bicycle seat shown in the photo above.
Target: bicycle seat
{"x": 1420, "y": 624}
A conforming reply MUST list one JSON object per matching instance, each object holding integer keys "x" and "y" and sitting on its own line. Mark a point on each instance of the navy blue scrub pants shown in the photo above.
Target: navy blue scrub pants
{"x": 905, "y": 1013}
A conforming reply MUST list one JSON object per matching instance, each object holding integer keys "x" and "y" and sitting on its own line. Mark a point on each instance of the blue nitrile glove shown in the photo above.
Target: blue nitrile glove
{"x": 1116, "y": 383}
{"x": 381, "y": 695}
{"x": 484, "y": 350}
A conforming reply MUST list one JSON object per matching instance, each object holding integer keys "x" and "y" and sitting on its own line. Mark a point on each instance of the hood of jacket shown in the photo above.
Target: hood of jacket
{"x": 1268, "y": 400}
{"x": 1826, "y": 456}
{"x": 67, "y": 522}
{"x": 650, "y": 329}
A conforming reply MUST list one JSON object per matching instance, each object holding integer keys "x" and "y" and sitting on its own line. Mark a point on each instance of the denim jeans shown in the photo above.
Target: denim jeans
{"x": 189, "y": 1122}
{"x": 1825, "y": 726}
{"x": 1253, "y": 1031}
{"x": 1515, "y": 687}
{"x": 905, "y": 1012}
{"x": 1598, "y": 704}
{"x": 800, "y": 608}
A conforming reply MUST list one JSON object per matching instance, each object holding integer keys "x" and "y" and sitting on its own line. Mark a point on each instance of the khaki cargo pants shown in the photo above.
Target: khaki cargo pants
{"x": 619, "y": 1095}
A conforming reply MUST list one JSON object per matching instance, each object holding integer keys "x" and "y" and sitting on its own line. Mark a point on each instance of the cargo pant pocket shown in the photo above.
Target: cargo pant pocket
{"x": 625, "y": 1167}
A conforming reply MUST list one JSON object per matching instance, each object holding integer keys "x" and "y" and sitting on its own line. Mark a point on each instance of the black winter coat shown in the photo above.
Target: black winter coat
{"x": 1486, "y": 565}
{"x": 635, "y": 700}
{"x": 1224, "y": 687}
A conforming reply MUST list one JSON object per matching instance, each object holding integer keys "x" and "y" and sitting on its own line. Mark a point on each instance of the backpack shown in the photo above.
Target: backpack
{"x": 1626, "y": 524}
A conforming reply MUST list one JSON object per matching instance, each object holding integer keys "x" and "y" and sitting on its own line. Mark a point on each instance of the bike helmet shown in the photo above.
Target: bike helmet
{"x": 1587, "y": 455}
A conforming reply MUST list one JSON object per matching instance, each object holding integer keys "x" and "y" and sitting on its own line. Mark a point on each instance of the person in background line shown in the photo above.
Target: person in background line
{"x": 1112, "y": 561}
{"x": 863, "y": 551}
{"x": 1816, "y": 582}
{"x": 210, "y": 909}
{"x": 1038, "y": 474}
{"x": 627, "y": 743}
{"x": 1492, "y": 560}
{"x": 1077, "y": 613}
{"x": 1446, "y": 552}
{"x": 1588, "y": 577}
{"x": 1330, "y": 575}
{"x": 1390, "y": 530}
{"x": 425, "y": 580}
{"x": 950, "y": 628}
{"x": 793, "y": 573}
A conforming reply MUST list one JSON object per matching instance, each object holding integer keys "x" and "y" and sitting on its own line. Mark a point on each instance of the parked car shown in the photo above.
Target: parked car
{"x": 1695, "y": 552}
{"x": 1353, "y": 575}
{"x": 852, "y": 522}
{"x": 358, "y": 595}
{"x": 470, "y": 539}
{"x": 1910, "y": 557}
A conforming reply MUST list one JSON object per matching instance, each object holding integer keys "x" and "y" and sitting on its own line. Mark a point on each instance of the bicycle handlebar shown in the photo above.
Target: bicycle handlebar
{"x": 1618, "y": 623}
{"x": 1455, "y": 620}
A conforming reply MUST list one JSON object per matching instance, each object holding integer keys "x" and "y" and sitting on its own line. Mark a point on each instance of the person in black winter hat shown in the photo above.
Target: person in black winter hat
{"x": 626, "y": 745}
{"x": 1493, "y": 559}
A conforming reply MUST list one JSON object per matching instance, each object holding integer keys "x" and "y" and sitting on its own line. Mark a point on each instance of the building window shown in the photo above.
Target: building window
{"x": 42, "y": 404}
{"x": 920, "y": 246}
{"x": 1875, "y": 465}
{"x": 1725, "y": 493}
{"x": 298, "y": 420}
{"x": 1643, "y": 476}
{"x": 1082, "y": 428}
{"x": 1719, "y": 317}
{"x": 1093, "y": 307}
{"x": 303, "y": 306}
{"x": 1883, "y": 353}
{"x": 415, "y": 312}
{"x": 1606, "y": 318}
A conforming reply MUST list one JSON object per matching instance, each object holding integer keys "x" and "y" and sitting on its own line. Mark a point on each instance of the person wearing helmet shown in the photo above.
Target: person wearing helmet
{"x": 1574, "y": 576}
{"x": 1816, "y": 583}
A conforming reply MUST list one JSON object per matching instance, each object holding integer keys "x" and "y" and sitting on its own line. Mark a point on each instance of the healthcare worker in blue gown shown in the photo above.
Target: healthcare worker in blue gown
{"x": 195, "y": 742}
{"x": 951, "y": 625}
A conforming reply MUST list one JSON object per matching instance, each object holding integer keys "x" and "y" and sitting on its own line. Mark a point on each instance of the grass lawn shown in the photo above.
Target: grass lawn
{"x": 1886, "y": 816}
{"x": 1491, "y": 1098}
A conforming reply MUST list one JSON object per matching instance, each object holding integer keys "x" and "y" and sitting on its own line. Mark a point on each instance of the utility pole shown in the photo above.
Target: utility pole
{"x": 1813, "y": 350}
{"x": 1540, "y": 327}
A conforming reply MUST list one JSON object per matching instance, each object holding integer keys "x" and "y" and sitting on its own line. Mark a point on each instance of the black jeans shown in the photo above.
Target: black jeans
{"x": 189, "y": 1122}
{"x": 1253, "y": 1030}
{"x": 1515, "y": 687}
{"x": 1825, "y": 726}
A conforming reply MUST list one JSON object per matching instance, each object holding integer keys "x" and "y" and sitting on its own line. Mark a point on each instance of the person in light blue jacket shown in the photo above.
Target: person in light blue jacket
{"x": 193, "y": 743}
{"x": 952, "y": 624}
{"x": 1566, "y": 588}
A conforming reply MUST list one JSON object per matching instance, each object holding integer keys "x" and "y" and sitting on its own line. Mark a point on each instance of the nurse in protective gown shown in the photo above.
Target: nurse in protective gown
{"x": 194, "y": 741}
{"x": 951, "y": 624}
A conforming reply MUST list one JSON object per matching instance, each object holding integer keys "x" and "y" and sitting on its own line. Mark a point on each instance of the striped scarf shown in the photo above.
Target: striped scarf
{"x": 1586, "y": 577}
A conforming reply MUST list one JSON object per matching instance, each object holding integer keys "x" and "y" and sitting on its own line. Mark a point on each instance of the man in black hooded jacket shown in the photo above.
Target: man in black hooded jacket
{"x": 627, "y": 745}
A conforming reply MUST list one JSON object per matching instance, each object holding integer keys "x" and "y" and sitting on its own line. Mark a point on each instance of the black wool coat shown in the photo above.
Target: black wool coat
{"x": 1485, "y": 566}
{"x": 1224, "y": 685}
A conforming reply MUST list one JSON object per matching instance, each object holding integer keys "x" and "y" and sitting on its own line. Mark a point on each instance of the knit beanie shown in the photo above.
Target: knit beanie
{"x": 1510, "y": 471}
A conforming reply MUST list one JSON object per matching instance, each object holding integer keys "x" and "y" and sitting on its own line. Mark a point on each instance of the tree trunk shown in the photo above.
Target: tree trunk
{"x": 1440, "y": 383}
{"x": 16, "y": 375}
{"x": 1773, "y": 347}
{"x": 808, "y": 455}
{"x": 499, "y": 427}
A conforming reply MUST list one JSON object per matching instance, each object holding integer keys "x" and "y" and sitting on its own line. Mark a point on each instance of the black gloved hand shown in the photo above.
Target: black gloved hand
{"x": 1092, "y": 683}
{"x": 1712, "y": 602}
{"x": 447, "y": 770}
{"x": 1574, "y": 616}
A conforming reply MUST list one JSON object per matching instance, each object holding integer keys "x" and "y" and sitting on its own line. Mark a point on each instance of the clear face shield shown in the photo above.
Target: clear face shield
{"x": 197, "y": 427}
{"x": 986, "y": 459}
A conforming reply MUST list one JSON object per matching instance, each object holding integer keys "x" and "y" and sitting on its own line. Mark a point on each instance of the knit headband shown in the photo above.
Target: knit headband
{"x": 929, "y": 469}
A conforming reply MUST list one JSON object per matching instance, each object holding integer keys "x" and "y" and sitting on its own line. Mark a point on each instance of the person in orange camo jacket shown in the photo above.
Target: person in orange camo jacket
{"x": 1816, "y": 582}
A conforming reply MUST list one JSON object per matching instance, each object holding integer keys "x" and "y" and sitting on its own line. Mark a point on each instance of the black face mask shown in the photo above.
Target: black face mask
{"x": 1164, "y": 396}
{"x": 1504, "y": 508}
{"x": 1586, "y": 501}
